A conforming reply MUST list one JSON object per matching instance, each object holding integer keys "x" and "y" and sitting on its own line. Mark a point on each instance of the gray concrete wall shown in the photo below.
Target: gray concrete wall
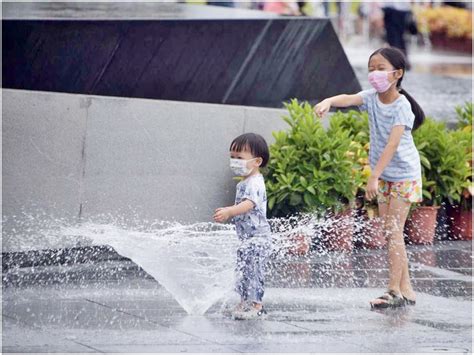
{"x": 70, "y": 158}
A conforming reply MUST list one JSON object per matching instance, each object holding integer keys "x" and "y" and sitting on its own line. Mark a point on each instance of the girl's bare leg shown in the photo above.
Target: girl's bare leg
{"x": 397, "y": 255}
{"x": 405, "y": 284}
{"x": 394, "y": 215}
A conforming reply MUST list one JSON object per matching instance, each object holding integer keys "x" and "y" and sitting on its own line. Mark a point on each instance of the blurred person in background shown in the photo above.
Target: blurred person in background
{"x": 301, "y": 5}
{"x": 326, "y": 8}
{"x": 395, "y": 21}
{"x": 288, "y": 8}
{"x": 459, "y": 4}
{"x": 343, "y": 8}
{"x": 221, "y": 3}
{"x": 373, "y": 14}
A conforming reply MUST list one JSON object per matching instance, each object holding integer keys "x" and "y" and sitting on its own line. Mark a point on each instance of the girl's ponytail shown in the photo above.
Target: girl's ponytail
{"x": 416, "y": 108}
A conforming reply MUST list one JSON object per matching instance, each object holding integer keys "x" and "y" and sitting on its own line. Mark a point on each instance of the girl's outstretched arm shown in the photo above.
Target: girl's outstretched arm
{"x": 337, "y": 101}
{"x": 387, "y": 154}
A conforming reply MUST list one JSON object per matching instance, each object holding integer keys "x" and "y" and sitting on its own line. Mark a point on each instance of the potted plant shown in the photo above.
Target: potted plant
{"x": 371, "y": 232}
{"x": 461, "y": 217}
{"x": 310, "y": 170}
{"x": 449, "y": 28}
{"x": 294, "y": 239}
{"x": 460, "y": 213}
{"x": 445, "y": 175}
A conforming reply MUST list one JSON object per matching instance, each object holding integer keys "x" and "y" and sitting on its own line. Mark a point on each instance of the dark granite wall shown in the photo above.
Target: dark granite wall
{"x": 256, "y": 62}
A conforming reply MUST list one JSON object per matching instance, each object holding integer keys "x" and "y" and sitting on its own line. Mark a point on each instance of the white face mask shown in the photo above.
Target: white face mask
{"x": 239, "y": 167}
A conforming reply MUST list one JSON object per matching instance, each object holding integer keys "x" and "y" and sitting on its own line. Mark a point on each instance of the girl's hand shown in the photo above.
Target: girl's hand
{"x": 372, "y": 188}
{"x": 222, "y": 214}
{"x": 321, "y": 108}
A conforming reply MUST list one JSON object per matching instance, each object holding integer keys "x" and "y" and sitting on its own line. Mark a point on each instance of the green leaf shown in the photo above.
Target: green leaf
{"x": 425, "y": 162}
{"x": 295, "y": 199}
{"x": 271, "y": 202}
{"x": 303, "y": 181}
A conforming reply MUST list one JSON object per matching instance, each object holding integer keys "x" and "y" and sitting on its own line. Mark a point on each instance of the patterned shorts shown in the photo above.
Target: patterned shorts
{"x": 409, "y": 191}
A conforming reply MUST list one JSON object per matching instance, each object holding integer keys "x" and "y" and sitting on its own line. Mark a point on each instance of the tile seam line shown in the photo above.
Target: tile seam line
{"x": 296, "y": 326}
{"x": 157, "y": 323}
{"x": 88, "y": 346}
{"x": 82, "y": 187}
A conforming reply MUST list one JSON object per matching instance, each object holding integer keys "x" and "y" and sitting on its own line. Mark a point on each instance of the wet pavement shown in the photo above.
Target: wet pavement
{"x": 315, "y": 304}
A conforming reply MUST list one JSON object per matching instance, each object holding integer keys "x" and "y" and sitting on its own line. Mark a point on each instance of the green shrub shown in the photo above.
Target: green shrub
{"x": 310, "y": 170}
{"x": 444, "y": 158}
{"x": 315, "y": 170}
{"x": 464, "y": 114}
{"x": 463, "y": 138}
{"x": 355, "y": 122}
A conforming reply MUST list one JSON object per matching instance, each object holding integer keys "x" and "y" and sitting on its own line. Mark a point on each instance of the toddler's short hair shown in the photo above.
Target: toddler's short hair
{"x": 255, "y": 143}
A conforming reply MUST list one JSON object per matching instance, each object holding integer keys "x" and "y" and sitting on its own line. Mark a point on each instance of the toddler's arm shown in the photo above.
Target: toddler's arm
{"x": 222, "y": 214}
{"x": 337, "y": 101}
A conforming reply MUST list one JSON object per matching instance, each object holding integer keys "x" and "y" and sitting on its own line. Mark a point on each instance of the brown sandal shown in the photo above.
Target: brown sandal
{"x": 393, "y": 301}
{"x": 409, "y": 302}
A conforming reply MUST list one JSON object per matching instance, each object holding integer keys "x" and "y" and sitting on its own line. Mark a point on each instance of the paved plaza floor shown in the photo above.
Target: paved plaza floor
{"x": 315, "y": 304}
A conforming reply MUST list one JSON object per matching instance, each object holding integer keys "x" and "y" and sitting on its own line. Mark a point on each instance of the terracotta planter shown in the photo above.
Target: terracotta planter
{"x": 442, "y": 222}
{"x": 443, "y": 42}
{"x": 291, "y": 244}
{"x": 299, "y": 244}
{"x": 296, "y": 274}
{"x": 374, "y": 234}
{"x": 426, "y": 257}
{"x": 421, "y": 225}
{"x": 339, "y": 235}
{"x": 369, "y": 231}
{"x": 461, "y": 223}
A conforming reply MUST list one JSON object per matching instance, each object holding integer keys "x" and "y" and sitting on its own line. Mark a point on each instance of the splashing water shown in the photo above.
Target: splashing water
{"x": 195, "y": 263}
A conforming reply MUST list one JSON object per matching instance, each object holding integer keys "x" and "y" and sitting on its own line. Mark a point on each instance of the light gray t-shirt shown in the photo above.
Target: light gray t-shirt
{"x": 254, "y": 222}
{"x": 405, "y": 164}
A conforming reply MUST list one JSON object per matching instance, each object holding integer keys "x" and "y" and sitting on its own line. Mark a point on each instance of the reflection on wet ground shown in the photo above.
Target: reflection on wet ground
{"x": 443, "y": 270}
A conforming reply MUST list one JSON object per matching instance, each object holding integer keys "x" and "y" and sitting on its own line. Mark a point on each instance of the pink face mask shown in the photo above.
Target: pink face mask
{"x": 379, "y": 80}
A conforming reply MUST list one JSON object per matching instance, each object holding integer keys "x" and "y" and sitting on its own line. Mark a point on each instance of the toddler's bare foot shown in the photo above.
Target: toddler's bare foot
{"x": 240, "y": 306}
{"x": 255, "y": 311}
